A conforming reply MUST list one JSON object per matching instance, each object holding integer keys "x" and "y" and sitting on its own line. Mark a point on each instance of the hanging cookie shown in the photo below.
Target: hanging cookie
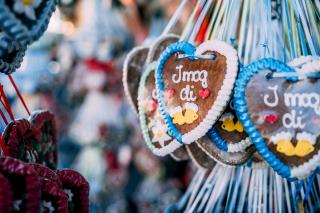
{"x": 53, "y": 198}
{"x": 279, "y": 107}
{"x": 24, "y": 182}
{"x": 132, "y": 70}
{"x": 33, "y": 140}
{"x": 202, "y": 80}
{"x": 154, "y": 129}
{"x": 25, "y": 21}
{"x": 226, "y": 141}
{"x": 7, "y": 200}
{"x": 77, "y": 189}
{"x": 199, "y": 157}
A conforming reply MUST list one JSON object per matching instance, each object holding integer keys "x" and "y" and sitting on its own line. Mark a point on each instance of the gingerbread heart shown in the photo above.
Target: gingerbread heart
{"x": 153, "y": 126}
{"x": 53, "y": 198}
{"x": 25, "y": 21}
{"x": 11, "y": 54}
{"x": 199, "y": 158}
{"x": 6, "y": 202}
{"x": 33, "y": 141}
{"x": 24, "y": 182}
{"x": 77, "y": 189}
{"x": 226, "y": 141}
{"x": 187, "y": 70}
{"x": 132, "y": 70}
{"x": 269, "y": 88}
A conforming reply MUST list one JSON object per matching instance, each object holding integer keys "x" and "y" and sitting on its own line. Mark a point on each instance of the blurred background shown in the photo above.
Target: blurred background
{"x": 75, "y": 71}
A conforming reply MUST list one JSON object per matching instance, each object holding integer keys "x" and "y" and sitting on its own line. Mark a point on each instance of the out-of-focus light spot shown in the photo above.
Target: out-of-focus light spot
{"x": 54, "y": 67}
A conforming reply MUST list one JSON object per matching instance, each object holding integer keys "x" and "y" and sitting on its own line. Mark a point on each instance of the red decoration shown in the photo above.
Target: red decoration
{"x": 204, "y": 93}
{"x": 271, "y": 119}
{"x": 152, "y": 105}
{"x": 170, "y": 93}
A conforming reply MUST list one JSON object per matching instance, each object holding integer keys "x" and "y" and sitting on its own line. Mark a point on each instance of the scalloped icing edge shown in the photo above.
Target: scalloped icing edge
{"x": 283, "y": 170}
{"x": 239, "y": 146}
{"x": 8, "y": 68}
{"x": 174, "y": 144}
{"x": 125, "y": 75}
{"x": 157, "y": 43}
{"x": 14, "y": 27}
{"x": 224, "y": 93}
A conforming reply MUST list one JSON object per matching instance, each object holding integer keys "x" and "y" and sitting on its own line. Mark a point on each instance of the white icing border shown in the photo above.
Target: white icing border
{"x": 225, "y": 91}
{"x": 305, "y": 169}
{"x": 125, "y": 79}
{"x": 240, "y": 146}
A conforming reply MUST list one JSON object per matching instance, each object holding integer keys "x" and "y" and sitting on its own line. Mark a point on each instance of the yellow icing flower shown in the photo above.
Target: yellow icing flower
{"x": 305, "y": 144}
{"x": 191, "y": 113}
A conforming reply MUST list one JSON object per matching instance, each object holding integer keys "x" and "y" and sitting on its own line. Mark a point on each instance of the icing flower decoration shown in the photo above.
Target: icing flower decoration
{"x": 27, "y": 7}
{"x": 283, "y": 142}
{"x": 191, "y": 112}
{"x": 160, "y": 133}
{"x": 176, "y": 114}
{"x": 305, "y": 145}
{"x": 47, "y": 207}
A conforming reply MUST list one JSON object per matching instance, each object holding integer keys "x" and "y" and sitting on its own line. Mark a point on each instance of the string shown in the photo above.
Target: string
{"x": 306, "y": 27}
{"x": 5, "y": 102}
{"x": 176, "y": 16}
{"x": 292, "y": 49}
{"x": 188, "y": 29}
{"x": 19, "y": 94}
{"x": 199, "y": 21}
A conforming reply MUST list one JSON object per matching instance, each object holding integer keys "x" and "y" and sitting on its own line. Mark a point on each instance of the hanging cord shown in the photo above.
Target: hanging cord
{"x": 19, "y": 94}
{"x": 174, "y": 19}
{"x": 292, "y": 49}
{"x": 5, "y": 102}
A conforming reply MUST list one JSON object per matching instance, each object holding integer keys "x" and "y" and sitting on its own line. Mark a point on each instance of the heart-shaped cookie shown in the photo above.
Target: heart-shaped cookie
{"x": 33, "y": 140}
{"x": 24, "y": 182}
{"x": 11, "y": 54}
{"x": 133, "y": 68}
{"x": 25, "y": 21}
{"x": 276, "y": 107}
{"x": 199, "y": 157}
{"x": 6, "y": 202}
{"x": 77, "y": 189}
{"x": 187, "y": 70}
{"x": 226, "y": 141}
{"x": 53, "y": 198}
{"x": 154, "y": 128}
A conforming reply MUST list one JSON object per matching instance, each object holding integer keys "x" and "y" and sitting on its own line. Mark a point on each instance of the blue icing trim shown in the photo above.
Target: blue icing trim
{"x": 16, "y": 55}
{"x": 183, "y": 47}
{"x": 241, "y": 109}
{"x": 14, "y": 27}
{"x": 217, "y": 140}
